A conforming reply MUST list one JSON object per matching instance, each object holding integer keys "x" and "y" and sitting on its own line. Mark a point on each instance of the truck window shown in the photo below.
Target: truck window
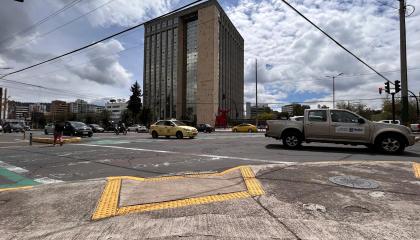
{"x": 317, "y": 116}
{"x": 343, "y": 117}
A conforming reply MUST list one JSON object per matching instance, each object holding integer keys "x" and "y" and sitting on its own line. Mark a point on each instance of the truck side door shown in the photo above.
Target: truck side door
{"x": 345, "y": 126}
{"x": 317, "y": 125}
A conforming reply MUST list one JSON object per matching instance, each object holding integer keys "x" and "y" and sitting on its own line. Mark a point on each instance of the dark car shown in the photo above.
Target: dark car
{"x": 96, "y": 128}
{"x": 77, "y": 129}
{"x": 12, "y": 127}
{"x": 205, "y": 128}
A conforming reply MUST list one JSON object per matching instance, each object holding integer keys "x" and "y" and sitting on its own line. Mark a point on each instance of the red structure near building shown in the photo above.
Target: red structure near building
{"x": 221, "y": 118}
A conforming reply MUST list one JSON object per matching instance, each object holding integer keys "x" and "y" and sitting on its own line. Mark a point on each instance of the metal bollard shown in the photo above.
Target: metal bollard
{"x": 30, "y": 139}
{"x": 24, "y": 135}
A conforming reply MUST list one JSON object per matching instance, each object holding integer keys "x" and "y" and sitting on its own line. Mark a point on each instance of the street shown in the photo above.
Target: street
{"x": 137, "y": 154}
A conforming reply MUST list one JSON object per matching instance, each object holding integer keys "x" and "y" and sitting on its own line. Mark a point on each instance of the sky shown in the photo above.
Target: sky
{"x": 293, "y": 57}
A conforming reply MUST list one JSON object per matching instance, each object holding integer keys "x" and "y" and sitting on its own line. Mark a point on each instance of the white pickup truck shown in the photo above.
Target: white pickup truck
{"x": 340, "y": 126}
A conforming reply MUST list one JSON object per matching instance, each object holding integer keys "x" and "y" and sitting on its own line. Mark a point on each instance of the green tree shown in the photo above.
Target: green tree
{"x": 299, "y": 110}
{"x": 134, "y": 103}
{"x": 267, "y": 116}
{"x": 145, "y": 116}
{"x": 105, "y": 117}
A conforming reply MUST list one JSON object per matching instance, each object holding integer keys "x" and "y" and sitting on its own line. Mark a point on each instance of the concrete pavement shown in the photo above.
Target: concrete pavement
{"x": 299, "y": 202}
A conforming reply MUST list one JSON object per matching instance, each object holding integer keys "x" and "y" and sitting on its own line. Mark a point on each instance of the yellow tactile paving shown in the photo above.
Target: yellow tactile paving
{"x": 108, "y": 203}
{"x": 51, "y": 141}
{"x": 416, "y": 169}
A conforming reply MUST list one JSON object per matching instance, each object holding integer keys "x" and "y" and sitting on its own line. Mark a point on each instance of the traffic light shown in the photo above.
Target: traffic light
{"x": 387, "y": 89}
{"x": 397, "y": 86}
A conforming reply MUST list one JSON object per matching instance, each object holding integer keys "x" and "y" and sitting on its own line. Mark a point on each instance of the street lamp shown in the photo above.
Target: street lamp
{"x": 333, "y": 78}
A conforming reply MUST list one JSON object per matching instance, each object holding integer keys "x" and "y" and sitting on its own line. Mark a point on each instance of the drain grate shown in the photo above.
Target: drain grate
{"x": 354, "y": 182}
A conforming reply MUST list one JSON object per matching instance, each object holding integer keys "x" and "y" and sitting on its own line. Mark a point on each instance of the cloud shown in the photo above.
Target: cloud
{"x": 127, "y": 13}
{"x": 104, "y": 67}
{"x": 300, "y": 56}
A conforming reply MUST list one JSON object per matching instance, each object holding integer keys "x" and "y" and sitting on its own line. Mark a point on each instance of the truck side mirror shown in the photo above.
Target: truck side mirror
{"x": 361, "y": 121}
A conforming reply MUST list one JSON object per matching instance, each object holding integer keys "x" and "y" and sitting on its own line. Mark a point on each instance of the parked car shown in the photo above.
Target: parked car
{"x": 245, "y": 127}
{"x": 390, "y": 122}
{"x": 49, "y": 128}
{"x": 170, "y": 128}
{"x": 96, "y": 128}
{"x": 1, "y": 128}
{"x": 341, "y": 126}
{"x": 12, "y": 127}
{"x": 137, "y": 128}
{"x": 415, "y": 127}
{"x": 72, "y": 128}
{"x": 204, "y": 127}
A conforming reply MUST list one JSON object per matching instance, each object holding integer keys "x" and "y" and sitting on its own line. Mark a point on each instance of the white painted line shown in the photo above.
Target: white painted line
{"x": 46, "y": 180}
{"x": 12, "y": 168}
{"x": 213, "y": 157}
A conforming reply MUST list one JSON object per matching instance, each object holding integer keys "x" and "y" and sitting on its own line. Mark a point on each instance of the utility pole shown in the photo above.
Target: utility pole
{"x": 256, "y": 93}
{"x": 403, "y": 55}
{"x": 5, "y": 104}
{"x": 333, "y": 78}
{"x": 393, "y": 107}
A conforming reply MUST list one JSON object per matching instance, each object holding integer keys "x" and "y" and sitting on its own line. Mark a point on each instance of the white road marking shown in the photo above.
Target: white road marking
{"x": 46, "y": 180}
{"x": 12, "y": 168}
{"x": 213, "y": 157}
{"x": 19, "y": 170}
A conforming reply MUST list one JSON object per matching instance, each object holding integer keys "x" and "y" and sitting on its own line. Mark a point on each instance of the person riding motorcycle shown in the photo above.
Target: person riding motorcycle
{"x": 121, "y": 128}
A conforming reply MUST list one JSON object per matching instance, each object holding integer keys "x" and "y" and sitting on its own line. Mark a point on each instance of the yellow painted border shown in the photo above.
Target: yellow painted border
{"x": 416, "y": 169}
{"x": 108, "y": 203}
{"x": 51, "y": 140}
{"x": 15, "y": 188}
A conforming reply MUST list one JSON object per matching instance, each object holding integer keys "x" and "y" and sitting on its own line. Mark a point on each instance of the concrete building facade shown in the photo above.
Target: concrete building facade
{"x": 193, "y": 65}
{"x": 116, "y": 108}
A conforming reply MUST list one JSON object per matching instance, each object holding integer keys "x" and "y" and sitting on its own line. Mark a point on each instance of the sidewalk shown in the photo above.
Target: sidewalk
{"x": 294, "y": 201}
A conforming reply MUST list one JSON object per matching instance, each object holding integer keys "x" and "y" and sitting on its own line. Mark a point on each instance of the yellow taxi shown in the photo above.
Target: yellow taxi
{"x": 172, "y": 127}
{"x": 244, "y": 127}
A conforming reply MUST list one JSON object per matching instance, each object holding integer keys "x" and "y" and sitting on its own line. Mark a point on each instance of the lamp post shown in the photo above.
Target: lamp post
{"x": 333, "y": 78}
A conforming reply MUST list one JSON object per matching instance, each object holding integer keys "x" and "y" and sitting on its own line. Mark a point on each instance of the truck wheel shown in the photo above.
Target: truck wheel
{"x": 391, "y": 143}
{"x": 292, "y": 140}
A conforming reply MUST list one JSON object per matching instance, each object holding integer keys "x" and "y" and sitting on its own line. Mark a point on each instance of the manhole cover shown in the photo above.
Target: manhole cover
{"x": 354, "y": 182}
{"x": 357, "y": 209}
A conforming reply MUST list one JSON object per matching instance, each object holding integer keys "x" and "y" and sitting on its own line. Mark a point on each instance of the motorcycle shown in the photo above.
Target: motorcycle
{"x": 119, "y": 130}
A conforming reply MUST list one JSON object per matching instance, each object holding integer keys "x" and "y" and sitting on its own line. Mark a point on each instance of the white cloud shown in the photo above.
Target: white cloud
{"x": 104, "y": 67}
{"x": 296, "y": 52}
{"x": 128, "y": 13}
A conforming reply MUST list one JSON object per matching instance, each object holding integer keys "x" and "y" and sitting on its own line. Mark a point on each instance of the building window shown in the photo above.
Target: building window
{"x": 191, "y": 71}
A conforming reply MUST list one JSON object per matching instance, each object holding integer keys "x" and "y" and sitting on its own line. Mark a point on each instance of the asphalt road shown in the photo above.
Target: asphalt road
{"x": 139, "y": 155}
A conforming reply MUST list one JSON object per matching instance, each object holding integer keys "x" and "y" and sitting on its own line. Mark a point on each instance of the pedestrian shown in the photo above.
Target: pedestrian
{"x": 58, "y": 133}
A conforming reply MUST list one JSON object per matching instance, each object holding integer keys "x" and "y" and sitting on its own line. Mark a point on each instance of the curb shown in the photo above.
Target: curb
{"x": 51, "y": 140}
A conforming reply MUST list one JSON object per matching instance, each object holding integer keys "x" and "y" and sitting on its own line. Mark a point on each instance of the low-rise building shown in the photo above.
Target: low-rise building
{"x": 116, "y": 108}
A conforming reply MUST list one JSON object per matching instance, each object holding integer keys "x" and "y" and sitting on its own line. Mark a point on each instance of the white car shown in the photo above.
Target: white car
{"x": 137, "y": 128}
{"x": 390, "y": 122}
{"x": 415, "y": 127}
{"x": 1, "y": 128}
{"x": 49, "y": 128}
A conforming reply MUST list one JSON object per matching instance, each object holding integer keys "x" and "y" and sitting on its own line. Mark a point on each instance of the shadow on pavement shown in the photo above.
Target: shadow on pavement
{"x": 338, "y": 150}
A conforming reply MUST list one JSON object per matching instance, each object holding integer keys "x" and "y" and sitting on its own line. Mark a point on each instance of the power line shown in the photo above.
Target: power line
{"x": 62, "y": 25}
{"x": 99, "y": 41}
{"x": 63, "y": 9}
{"x": 335, "y": 41}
